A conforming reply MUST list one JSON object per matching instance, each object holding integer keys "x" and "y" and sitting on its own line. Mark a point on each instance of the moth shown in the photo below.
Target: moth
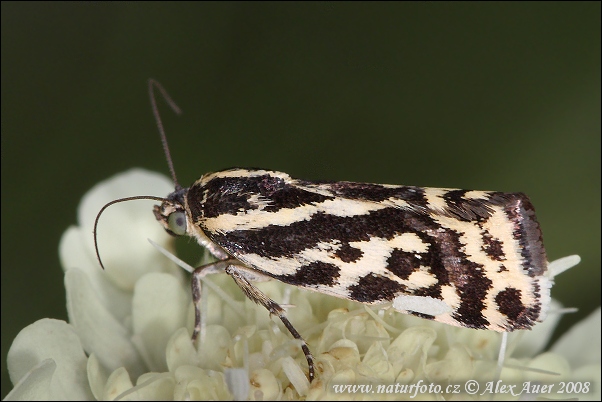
{"x": 466, "y": 258}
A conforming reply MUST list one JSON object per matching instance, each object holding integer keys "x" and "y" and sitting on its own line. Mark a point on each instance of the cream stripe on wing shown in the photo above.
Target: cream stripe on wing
{"x": 257, "y": 219}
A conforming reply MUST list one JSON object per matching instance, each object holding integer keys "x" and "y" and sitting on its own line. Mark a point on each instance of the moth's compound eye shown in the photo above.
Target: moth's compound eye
{"x": 177, "y": 223}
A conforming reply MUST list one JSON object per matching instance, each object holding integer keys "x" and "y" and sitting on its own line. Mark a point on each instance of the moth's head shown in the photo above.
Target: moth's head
{"x": 172, "y": 213}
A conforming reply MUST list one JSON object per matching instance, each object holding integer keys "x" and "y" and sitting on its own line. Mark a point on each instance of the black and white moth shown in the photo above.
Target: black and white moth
{"x": 461, "y": 257}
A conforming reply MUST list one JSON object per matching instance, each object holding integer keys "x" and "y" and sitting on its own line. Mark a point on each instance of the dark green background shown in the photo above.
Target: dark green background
{"x": 480, "y": 96}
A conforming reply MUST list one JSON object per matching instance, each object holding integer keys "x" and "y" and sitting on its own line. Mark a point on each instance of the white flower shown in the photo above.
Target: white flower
{"x": 130, "y": 326}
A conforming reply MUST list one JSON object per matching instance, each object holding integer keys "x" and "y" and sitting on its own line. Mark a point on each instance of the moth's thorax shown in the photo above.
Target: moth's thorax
{"x": 234, "y": 192}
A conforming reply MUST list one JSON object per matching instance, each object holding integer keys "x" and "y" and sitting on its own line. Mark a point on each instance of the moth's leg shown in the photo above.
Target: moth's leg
{"x": 241, "y": 276}
{"x": 199, "y": 273}
{"x": 250, "y": 274}
{"x": 210, "y": 246}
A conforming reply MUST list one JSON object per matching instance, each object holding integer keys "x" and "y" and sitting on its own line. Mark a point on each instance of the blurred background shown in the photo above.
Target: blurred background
{"x": 474, "y": 95}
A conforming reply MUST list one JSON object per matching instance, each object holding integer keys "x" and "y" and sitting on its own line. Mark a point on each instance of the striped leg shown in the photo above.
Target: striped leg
{"x": 241, "y": 275}
{"x": 197, "y": 275}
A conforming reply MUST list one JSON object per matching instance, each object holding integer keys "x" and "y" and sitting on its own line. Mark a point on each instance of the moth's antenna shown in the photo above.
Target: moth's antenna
{"x": 108, "y": 204}
{"x": 152, "y": 84}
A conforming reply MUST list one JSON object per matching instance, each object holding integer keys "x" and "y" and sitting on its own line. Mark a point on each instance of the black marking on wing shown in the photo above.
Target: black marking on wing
{"x": 457, "y": 205}
{"x": 312, "y": 274}
{"x": 509, "y": 303}
{"x": 403, "y": 263}
{"x": 450, "y": 265}
{"x": 223, "y": 195}
{"x": 492, "y": 247}
{"x": 194, "y": 199}
{"x": 233, "y": 195}
{"x": 422, "y": 315}
{"x": 275, "y": 241}
{"x": 444, "y": 257}
{"x": 473, "y": 290}
{"x": 466, "y": 209}
{"x": 373, "y": 287}
{"x": 348, "y": 254}
{"x": 520, "y": 211}
{"x": 374, "y": 192}
{"x": 292, "y": 197}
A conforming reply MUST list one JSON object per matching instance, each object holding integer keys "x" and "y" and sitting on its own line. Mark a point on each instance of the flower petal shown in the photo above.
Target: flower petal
{"x": 237, "y": 380}
{"x": 264, "y": 386}
{"x": 455, "y": 367}
{"x": 375, "y": 364}
{"x": 550, "y": 362}
{"x": 99, "y": 331}
{"x": 410, "y": 348}
{"x": 117, "y": 383}
{"x": 214, "y": 349}
{"x": 36, "y": 384}
{"x": 587, "y": 380}
{"x": 151, "y": 387}
{"x": 295, "y": 375}
{"x": 73, "y": 254}
{"x": 180, "y": 351}
{"x": 193, "y": 383}
{"x": 530, "y": 343}
{"x": 124, "y": 228}
{"x": 97, "y": 377}
{"x": 159, "y": 309}
{"x": 56, "y": 340}
{"x": 580, "y": 345}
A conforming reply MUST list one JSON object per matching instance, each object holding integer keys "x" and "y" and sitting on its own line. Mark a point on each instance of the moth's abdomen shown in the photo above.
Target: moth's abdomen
{"x": 480, "y": 253}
